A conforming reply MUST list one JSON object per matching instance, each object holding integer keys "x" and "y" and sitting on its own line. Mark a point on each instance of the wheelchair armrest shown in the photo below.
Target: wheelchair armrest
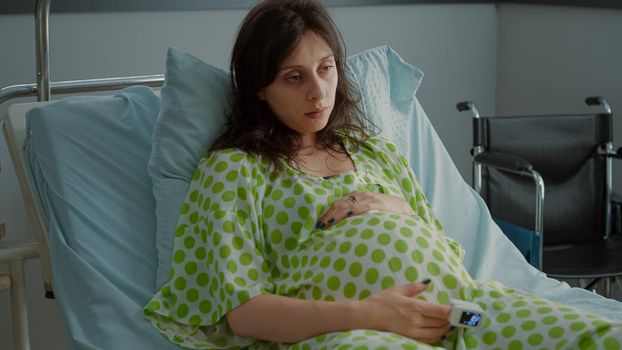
{"x": 504, "y": 161}
{"x": 518, "y": 165}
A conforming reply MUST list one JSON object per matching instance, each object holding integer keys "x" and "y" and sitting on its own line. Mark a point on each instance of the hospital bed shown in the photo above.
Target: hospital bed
{"x": 86, "y": 172}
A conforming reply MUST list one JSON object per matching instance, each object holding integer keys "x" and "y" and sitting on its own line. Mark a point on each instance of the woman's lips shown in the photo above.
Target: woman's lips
{"x": 317, "y": 113}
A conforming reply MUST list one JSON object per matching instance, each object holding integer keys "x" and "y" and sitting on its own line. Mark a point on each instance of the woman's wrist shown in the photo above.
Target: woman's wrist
{"x": 360, "y": 315}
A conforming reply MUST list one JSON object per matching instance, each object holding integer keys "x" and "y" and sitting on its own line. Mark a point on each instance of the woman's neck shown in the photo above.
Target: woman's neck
{"x": 308, "y": 141}
{"x": 318, "y": 161}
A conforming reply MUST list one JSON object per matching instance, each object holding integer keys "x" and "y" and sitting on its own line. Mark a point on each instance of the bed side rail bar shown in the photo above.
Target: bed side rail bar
{"x": 42, "y": 45}
{"x": 85, "y": 85}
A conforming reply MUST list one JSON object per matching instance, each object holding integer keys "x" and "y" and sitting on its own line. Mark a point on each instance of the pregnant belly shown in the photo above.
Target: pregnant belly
{"x": 367, "y": 253}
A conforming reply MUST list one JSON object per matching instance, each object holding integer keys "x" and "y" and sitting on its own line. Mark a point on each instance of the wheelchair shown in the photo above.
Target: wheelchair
{"x": 547, "y": 181}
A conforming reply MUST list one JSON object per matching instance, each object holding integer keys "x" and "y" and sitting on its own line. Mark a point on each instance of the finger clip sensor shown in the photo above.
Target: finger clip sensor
{"x": 466, "y": 314}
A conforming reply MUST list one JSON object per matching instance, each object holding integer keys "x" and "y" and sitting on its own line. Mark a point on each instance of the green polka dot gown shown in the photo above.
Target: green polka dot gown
{"x": 247, "y": 230}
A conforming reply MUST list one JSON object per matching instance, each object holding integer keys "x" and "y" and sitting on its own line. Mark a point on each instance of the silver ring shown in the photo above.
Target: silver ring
{"x": 352, "y": 199}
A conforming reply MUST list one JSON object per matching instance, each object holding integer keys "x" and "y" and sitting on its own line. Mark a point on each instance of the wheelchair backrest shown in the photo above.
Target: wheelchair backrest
{"x": 563, "y": 149}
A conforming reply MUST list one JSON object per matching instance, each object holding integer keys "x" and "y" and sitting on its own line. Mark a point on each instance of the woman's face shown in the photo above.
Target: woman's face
{"x": 303, "y": 93}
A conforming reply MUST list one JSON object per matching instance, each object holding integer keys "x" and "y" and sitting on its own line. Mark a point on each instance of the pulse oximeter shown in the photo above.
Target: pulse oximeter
{"x": 466, "y": 314}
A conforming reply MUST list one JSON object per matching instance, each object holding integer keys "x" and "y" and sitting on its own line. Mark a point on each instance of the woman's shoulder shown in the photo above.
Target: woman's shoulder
{"x": 379, "y": 145}
{"x": 384, "y": 150}
{"x": 228, "y": 155}
{"x": 230, "y": 159}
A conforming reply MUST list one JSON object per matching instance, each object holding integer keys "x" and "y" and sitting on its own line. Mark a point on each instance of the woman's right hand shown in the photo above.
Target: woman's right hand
{"x": 397, "y": 310}
{"x": 358, "y": 202}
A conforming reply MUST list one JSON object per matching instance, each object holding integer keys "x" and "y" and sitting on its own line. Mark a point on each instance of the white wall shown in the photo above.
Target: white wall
{"x": 455, "y": 45}
{"x": 551, "y": 58}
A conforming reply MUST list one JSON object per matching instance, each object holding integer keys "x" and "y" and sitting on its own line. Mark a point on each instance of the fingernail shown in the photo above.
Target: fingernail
{"x": 426, "y": 281}
{"x": 331, "y": 220}
{"x": 443, "y": 337}
{"x": 320, "y": 225}
{"x": 452, "y": 328}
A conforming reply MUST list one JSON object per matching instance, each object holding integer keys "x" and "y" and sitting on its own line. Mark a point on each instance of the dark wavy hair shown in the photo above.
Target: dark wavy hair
{"x": 268, "y": 34}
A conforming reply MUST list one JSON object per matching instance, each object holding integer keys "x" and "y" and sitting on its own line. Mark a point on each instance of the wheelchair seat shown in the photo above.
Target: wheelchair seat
{"x": 552, "y": 175}
{"x": 591, "y": 261}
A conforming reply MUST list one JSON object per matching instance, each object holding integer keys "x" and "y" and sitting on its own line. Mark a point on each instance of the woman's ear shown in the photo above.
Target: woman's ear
{"x": 261, "y": 95}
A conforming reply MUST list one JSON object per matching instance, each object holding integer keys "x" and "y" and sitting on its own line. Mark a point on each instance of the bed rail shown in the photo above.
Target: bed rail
{"x": 78, "y": 86}
{"x": 42, "y": 42}
{"x": 44, "y": 87}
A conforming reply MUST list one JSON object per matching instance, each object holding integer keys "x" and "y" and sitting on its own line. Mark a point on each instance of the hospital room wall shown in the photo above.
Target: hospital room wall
{"x": 455, "y": 45}
{"x": 550, "y": 58}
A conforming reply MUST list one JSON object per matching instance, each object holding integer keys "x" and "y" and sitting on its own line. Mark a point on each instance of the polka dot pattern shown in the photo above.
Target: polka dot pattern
{"x": 246, "y": 230}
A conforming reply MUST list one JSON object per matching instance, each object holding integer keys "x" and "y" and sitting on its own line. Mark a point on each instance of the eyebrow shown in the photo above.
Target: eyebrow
{"x": 289, "y": 66}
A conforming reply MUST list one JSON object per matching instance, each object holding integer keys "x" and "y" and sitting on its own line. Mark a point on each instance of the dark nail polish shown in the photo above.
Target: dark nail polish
{"x": 426, "y": 281}
{"x": 320, "y": 225}
{"x": 452, "y": 328}
{"x": 331, "y": 220}
{"x": 443, "y": 337}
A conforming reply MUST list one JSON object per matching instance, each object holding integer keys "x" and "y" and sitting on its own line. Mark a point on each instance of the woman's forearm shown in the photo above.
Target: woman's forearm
{"x": 282, "y": 319}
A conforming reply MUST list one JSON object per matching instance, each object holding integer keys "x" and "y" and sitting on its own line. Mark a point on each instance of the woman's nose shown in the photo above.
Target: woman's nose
{"x": 317, "y": 90}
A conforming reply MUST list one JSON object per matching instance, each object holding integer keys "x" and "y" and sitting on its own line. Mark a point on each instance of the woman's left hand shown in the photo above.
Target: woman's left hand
{"x": 357, "y": 203}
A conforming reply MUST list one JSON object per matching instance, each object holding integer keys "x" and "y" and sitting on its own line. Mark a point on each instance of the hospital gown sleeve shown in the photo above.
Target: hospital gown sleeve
{"x": 218, "y": 256}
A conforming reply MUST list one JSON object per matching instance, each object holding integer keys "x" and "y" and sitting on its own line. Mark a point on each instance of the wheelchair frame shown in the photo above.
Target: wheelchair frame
{"x": 517, "y": 165}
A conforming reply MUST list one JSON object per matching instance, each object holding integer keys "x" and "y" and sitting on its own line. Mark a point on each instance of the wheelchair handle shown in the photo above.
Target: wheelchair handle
{"x": 468, "y": 106}
{"x": 463, "y": 106}
{"x": 597, "y": 101}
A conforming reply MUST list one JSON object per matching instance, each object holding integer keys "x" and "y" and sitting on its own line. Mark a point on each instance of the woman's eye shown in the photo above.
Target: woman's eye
{"x": 293, "y": 77}
{"x": 328, "y": 67}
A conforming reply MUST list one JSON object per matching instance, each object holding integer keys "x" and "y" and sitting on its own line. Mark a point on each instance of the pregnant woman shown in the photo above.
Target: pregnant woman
{"x": 302, "y": 231}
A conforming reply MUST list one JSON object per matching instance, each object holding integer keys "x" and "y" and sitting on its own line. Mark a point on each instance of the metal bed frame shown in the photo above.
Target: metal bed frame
{"x": 15, "y": 255}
